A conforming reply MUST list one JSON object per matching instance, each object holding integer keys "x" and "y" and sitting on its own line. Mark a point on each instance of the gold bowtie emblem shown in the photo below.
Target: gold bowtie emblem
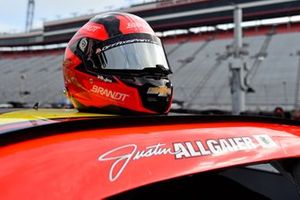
{"x": 161, "y": 91}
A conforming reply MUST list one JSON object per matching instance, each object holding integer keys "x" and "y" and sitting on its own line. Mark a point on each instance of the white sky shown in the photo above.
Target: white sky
{"x": 13, "y": 12}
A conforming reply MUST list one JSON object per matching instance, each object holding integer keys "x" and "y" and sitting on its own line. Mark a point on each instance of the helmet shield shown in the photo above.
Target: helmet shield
{"x": 129, "y": 52}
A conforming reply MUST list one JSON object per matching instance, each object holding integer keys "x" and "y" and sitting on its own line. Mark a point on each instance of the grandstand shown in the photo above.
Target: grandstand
{"x": 201, "y": 72}
{"x": 31, "y": 76}
{"x": 200, "y": 64}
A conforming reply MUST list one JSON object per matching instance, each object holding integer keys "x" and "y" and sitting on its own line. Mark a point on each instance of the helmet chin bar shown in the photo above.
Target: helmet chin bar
{"x": 155, "y": 92}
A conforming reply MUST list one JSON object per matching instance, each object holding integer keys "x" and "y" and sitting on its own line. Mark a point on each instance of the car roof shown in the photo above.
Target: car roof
{"x": 100, "y": 156}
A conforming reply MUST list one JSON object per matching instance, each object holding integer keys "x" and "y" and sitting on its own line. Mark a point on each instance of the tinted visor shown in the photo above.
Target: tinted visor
{"x": 131, "y": 52}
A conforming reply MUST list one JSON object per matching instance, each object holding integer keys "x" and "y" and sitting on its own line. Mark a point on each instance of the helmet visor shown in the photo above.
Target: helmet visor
{"x": 132, "y": 54}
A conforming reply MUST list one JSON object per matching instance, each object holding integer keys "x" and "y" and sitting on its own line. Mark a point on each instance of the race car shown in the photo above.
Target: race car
{"x": 64, "y": 154}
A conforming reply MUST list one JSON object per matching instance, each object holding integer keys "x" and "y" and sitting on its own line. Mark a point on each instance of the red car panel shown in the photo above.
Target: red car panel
{"x": 100, "y": 162}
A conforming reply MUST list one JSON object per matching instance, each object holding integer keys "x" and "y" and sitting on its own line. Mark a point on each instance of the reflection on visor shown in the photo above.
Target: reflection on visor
{"x": 132, "y": 54}
{"x": 135, "y": 56}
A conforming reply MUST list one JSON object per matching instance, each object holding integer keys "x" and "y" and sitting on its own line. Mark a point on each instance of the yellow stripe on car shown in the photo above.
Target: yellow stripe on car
{"x": 44, "y": 114}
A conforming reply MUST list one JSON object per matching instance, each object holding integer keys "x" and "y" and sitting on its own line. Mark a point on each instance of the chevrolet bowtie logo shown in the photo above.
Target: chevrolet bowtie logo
{"x": 161, "y": 91}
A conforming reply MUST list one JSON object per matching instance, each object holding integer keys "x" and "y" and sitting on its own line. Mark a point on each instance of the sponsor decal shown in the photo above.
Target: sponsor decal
{"x": 119, "y": 158}
{"x": 119, "y": 43}
{"x": 265, "y": 141}
{"x": 91, "y": 28}
{"x": 104, "y": 79}
{"x": 134, "y": 25}
{"x": 212, "y": 147}
{"x": 118, "y": 96}
{"x": 83, "y": 44}
{"x": 123, "y": 155}
{"x": 161, "y": 91}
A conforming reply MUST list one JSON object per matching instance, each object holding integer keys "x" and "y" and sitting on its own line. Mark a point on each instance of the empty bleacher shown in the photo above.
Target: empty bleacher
{"x": 30, "y": 78}
{"x": 202, "y": 80}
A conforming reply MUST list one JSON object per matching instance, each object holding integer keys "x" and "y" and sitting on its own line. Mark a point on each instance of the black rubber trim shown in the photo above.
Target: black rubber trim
{"x": 126, "y": 121}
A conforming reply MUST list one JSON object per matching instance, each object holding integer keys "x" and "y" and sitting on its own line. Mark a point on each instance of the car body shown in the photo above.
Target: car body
{"x": 63, "y": 154}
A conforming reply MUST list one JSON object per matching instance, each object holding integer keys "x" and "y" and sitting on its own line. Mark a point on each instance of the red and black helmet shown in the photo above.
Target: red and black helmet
{"x": 115, "y": 63}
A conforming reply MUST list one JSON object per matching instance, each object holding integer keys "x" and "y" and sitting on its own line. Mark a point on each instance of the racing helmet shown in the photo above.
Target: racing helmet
{"x": 115, "y": 63}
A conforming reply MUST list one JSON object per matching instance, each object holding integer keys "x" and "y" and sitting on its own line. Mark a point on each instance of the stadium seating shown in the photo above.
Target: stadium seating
{"x": 201, "y": 78}
{"x": 31, "y": 79}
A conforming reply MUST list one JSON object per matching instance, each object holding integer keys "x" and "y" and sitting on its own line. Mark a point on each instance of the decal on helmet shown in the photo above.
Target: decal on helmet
{"x": 105, "y": 79}
{"x": 119, "y": 43}
{"x": 134, "y": 25}
{"x": 91, "y": 28}
{"x": 83, "y": 44}
{"x": 161, "y": 91}
{"x": 118, "y": 96}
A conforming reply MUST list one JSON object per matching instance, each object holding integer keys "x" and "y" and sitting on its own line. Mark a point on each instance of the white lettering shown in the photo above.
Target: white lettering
{"x": 121, "y": 159}
{"x": 265, "y": 141}
{"x": 131, "y": 25}
{"x": 240, "y": 143}
{"x": 109, "y": 93}
{"x": 152, "y": 151}
{"x": 191, "y": 149}
{"x": 225, "y": 145}
{"x": 233, "y": 144}
{"x": 181, "y": 151}
{"x": 91, "y": 28}
{"x": 124, "y": 154}
{"x": 119, "y": 43}
{"x": 214, "y": 146}
{"x": 203, "y": 151}
{"x": 249, "y": 143}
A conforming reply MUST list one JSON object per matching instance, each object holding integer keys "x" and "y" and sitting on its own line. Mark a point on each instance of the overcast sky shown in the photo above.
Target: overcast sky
{"x": 13, "y": 12}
